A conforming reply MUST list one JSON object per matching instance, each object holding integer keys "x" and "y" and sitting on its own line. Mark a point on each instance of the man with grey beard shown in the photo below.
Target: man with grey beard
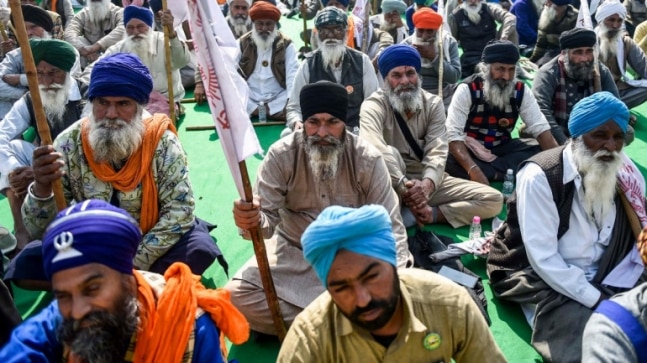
{"x": 557, "y": 17}
{"x": 333, "y": 61}
{"x": 474, "y": 24}
{"x": 320, "y": 165}
{"x": 407, "y": 125}
{"x": 95, "y": 28}
{"x": 483, "y": 114}
{"x": 390, "y": 20}
{"x": 62, "y": 99}
{"x": 268, "y": 62}
{"x": 238, "y": 18}
{"x": 148, "y": 45}
{"x": 618, "y": 50}
{"x": 121, "y": 155}
{"x": 567, "y": 243}
{"x": 106, "y": 311}
{"x": 567, "y": 78}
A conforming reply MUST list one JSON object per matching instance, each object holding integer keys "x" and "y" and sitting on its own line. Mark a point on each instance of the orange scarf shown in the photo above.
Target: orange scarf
{"x": 137, "y": 169}
{"x": 164, "y": 329}
{"x": 350, "y": 41}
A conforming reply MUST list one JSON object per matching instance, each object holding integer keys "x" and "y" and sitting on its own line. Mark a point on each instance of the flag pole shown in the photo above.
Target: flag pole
{"x": 441, "y": 61}
{"x": 167, "y": 62}
{"x": 263, "y": 263}
{"x": 32, "y": 78}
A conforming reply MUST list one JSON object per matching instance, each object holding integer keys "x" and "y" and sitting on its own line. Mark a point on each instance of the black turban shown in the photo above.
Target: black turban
{"x": 577, "y": 38}
{"x": 324, "y": 97}
{"x": 500, "y": 51}
{"x": 36, "y": 15}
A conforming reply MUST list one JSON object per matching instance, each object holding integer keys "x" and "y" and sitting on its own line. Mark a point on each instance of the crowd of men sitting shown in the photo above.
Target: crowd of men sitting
{"x": 388, "y": 126}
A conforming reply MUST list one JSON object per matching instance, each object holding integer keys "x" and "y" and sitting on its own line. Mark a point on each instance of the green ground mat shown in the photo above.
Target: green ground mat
{"x": 214, "y": 192}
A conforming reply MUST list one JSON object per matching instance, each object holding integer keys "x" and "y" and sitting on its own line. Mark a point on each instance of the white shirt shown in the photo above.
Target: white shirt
{"x": 461, "y": 103}
{"x": 263, "y": 86}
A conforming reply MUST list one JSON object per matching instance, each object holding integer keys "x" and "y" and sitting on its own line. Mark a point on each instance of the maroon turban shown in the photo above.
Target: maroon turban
{"x": 263, "y": 10}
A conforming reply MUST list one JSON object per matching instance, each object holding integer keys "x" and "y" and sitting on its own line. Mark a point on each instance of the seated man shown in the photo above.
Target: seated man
{"x": 636, "y": 14}
{"x": 390, "y": 20}
{"x": 62, "y": 102}
{"x": 95, "y": 28}
{"x": 407, "y": 125}
{"x": 474, "y": 24}
{"x": 527, "y": 13}
{"x": 336, "y": 62}
{"x": 148, "y": 45}
{"x": 238, "y": 18}
{"x": 62, "y": 7}
{"x": 557, "y": 17}
{"x": 118, "y": 155}
{"x": 105, "y": 311}
{"x": 568, "y": 78}
{"x": 268, "y": 62}
{"x": 427, "y": 41}
{"x": 373, "y": 312}
{"x": 618, "y": 51}
{"x": 302, "y": 174}
{"x": 483, "y": 114}
{"x": 567, "y": 243}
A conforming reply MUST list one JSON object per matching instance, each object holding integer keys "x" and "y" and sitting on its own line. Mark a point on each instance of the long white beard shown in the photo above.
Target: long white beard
{"x": 403, "y": 99}
{"x": 608, "y": 45}
{"x": 55, "y": 100}
{"x": 332, "y": 51}
{"x": 547, "y": 17}
{"x": 385, "y": 25}
{"x": 493, "y": 93}
{"x": 240, "y": 25}
{"x": 472, "y": 12}
{"x": 263, "y": 44}
{"x": 324, "y": 160}
{"x": 599, "y": 180}
{"x": 140, "y": 47}
{"x": 539, "y": 5}
{"x": 98, "y": 10}
{"x": 115, "y": 140}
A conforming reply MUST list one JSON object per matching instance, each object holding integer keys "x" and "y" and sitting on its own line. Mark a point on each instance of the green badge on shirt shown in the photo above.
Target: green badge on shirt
{"x": 432, "y": 341}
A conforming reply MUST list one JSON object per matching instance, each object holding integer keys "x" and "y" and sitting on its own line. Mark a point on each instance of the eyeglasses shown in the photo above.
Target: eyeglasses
{"x": 336, "y": 31}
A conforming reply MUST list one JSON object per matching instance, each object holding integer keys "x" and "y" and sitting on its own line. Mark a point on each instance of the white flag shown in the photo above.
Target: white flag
{"x": 443, "y": 13}
{"x": 359, "y": 12}
{"x": 584, "y": 16}
{"x": 217, "y": 53}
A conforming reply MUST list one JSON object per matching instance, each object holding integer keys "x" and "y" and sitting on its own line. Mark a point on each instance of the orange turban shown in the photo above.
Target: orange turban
{"x": 263, "y": 10}
{"x": 427, "y": 18}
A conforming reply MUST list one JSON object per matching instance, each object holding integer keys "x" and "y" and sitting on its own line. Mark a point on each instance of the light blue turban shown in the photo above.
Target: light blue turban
{"x": 366, "y": 230}
{"x": 592, "y": 111}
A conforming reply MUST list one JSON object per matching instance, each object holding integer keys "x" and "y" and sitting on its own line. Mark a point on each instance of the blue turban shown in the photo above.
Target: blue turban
{"x": 394, "y": 5}
{"x": 120, "y": 75}
{"x": 595, "y": 110}
{"x": 93, "y": 231}
{"x": 398, "y": 55}
{"x": 138, "y": 12}
{"x": 365, "y": 230}
{"x": 343, "y": 2}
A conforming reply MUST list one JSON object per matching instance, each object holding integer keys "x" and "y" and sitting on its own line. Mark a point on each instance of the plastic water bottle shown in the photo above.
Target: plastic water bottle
{"x": 475, "y": 228}
{"x": 262, "y": 114}
{"x": 508, "y": 184}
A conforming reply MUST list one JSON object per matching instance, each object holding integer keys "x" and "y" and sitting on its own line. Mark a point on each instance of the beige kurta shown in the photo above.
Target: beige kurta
{"x": 291, "y": 199}
{"x": 81, "y": 31}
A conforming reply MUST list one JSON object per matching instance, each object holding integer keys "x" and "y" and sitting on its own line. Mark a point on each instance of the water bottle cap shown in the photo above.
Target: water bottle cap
{"x": 476, "y": 219}
{"x": 510, "y": 171}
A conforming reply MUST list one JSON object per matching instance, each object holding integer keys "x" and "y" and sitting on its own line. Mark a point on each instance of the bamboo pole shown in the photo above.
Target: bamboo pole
{"x": 365, "y": 28}
{"x": 32, "y": 78}
{"x": 441, "y": 60}
{"x": 263, "y": 263}
{"x": 212, "y": 127}
{"x": 3, "y": 32}
{"x": 169, "y": 70}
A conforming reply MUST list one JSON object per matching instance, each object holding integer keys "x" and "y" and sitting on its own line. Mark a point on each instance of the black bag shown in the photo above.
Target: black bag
{"x": 424, "y": 243}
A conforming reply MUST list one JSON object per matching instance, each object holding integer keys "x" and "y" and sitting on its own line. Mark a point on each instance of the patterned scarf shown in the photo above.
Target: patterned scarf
{"x": 560, "y": 98}
{"x": 631, "y": 185}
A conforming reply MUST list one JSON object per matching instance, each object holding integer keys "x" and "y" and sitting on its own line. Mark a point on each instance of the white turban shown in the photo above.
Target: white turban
{"x": 249, "y": 2}
{"x": 608, "y": 8}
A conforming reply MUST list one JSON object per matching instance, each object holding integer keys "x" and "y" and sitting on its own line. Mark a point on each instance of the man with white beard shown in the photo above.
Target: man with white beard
{"x": 120, "y": 155}
{"x": 483, "y": 115}
{"x": 148, "y": 44}
{"x": 238, "y": 18}
{"x": 567, "y": 243}
{"x": 390, "y": 20}
{"x": 62, "y": 101}
{"x": 407, "y": 125}
{"x": 426, "y": 40}
{"x": 333, "y": 61}
{"x": 557, "y": 17}
{"x": 527, "y": 13}
{"x": 474, "y": 24}
{"x": 95, "y": 28}
{"x": 268, "y": 62}
{"x": 618, "y": 50}
{"x": 568, "y": 78}
{"x": 320, "y": 165}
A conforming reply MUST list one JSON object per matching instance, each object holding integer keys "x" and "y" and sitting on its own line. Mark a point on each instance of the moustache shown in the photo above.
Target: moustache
{"x": 372, "y": 305}
{"x": 112, "y": 124}
{"x": 606, "y": 155}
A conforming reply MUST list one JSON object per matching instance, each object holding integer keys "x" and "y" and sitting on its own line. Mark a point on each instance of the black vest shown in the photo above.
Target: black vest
{"x": 489, "y": 125}
{"x": 508, "y": 253}
{"x": 351, "y": 78}
{"x": 474, "y": 37}
{"x": 73, "y": 112}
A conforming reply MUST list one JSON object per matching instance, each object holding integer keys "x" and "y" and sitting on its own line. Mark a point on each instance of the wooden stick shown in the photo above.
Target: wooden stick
{"x": 32, "y": 78}
{"x": 263, "y": 263}
{"x": 365, "y": 28}
{"x": 167, "y": 61}
{"x": 306, "y": 40}
{"x": 3, "y": 32}
{"x": 441, "y": 61}
{"x": 213, "y": 128}
{"x": 188, "y": 100}
{"x": 634, "y": 221}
